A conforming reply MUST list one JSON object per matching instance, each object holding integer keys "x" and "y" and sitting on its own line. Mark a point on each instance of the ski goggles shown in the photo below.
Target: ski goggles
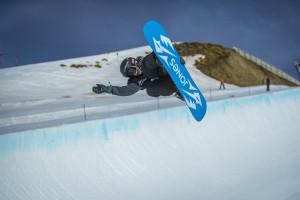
{"x": 131, "y": 69}
{"x": 134, "y": 71}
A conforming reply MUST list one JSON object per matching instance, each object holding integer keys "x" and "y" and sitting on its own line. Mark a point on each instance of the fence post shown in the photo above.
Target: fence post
{"x": 84, "y": 112}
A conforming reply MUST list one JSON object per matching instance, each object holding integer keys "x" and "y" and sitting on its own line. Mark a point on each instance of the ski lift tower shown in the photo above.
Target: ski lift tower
{"x": 297, "y": 66}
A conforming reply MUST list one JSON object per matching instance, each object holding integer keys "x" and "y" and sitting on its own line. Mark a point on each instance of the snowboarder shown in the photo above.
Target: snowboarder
{"x": 142, "y": 73}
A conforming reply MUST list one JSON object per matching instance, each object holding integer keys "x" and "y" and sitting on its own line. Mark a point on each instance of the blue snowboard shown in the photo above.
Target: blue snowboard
{"x": 161, "y": 44}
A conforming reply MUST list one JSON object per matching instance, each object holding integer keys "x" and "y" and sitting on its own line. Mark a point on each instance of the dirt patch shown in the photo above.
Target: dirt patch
{"x": 224, "y": 62}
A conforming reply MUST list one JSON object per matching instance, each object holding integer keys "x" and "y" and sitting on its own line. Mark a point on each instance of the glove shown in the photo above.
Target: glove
{"x": 179, "y": 96}
{"x": 182, "y": 61}
{"x": 100, "y": 88}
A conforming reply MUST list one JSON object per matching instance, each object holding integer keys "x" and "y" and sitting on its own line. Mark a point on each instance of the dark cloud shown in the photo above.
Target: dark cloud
{"x": 49, "y": 30}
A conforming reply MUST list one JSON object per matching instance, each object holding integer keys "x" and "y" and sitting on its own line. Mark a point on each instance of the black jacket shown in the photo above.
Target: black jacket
{"x": 134, "y": 84}
{"x": 154, "y": 78}
{"x": 152, "y": 67}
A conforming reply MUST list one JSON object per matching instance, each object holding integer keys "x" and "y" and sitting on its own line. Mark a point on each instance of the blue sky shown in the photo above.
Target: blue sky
{"x": 45, "y": 30}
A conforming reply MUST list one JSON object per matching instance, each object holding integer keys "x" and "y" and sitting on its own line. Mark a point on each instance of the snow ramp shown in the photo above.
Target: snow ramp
{"x": 245, "y": 148}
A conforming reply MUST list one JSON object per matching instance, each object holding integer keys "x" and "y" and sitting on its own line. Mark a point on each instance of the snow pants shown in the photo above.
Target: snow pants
{"x": 161, "y": 87}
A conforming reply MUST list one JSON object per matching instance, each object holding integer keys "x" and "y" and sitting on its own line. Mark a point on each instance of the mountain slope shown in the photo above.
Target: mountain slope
{"x": 225, "y": 62}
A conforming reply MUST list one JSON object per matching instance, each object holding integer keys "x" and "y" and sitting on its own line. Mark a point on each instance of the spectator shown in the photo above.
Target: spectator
{"x": 222, "y": 83}
{"x": 268, "y": 83}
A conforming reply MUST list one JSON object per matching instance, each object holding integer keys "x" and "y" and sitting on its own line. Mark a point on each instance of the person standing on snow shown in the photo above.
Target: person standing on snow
{"x": 222, "y": 83}
{"x": 142, "y": 73}
{"x": 268, "y": 83}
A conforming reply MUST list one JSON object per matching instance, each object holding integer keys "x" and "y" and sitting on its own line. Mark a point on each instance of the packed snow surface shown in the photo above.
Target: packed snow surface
{"x": 54, "y": 93}
{"x": 58, "y": 140}
{"x": 245, "y": 148}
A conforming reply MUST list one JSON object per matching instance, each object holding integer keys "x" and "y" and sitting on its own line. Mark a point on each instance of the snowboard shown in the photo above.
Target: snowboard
{"x": 162, "y": 46}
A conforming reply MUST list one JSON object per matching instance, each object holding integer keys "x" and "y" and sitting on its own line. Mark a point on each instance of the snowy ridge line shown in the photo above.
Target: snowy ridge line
{"x": 18, "y": 85}
{"x": 62, "y": 114}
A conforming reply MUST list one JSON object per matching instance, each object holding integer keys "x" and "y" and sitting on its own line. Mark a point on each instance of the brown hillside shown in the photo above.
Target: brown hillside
{"x": 220, "y": 61}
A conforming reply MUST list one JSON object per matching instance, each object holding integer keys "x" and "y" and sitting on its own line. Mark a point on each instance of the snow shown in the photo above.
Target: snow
{"x": 50, "y": 80}
{"x": 47, "y": 94}
{"x": 245, "y": 148}
{"x": 139, "y": 147}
